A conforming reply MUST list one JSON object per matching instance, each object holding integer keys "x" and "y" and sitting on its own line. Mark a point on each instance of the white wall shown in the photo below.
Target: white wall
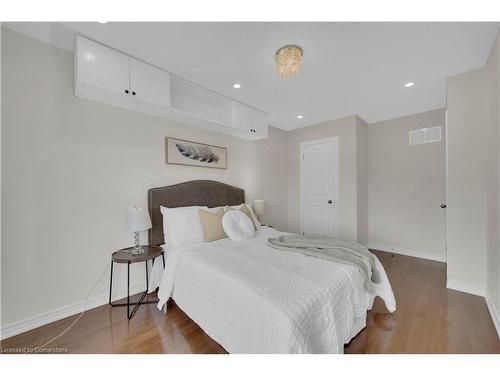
{"x": 492, "y": 294}
{"x": 71, "y": 167}
{"x": 345, "y": 129}
{"x": 362, "y": 180}
{"x": 474, "y": 182}
{"x": 468, "y": 135}
{"x": 406, "y": 187}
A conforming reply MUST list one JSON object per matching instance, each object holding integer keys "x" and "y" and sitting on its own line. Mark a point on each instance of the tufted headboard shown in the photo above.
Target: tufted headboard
{"x": 191, "y": 193}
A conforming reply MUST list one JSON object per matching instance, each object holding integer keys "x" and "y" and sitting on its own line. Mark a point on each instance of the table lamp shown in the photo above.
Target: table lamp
{"x": 258, "y": 207}
{"x": 136, "y": 221}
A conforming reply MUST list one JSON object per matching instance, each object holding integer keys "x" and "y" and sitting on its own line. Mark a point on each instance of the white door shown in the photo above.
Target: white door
{"x": 319, "y": 186}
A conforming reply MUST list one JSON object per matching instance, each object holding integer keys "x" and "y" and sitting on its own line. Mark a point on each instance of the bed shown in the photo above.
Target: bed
{"x": 251, "y": 298}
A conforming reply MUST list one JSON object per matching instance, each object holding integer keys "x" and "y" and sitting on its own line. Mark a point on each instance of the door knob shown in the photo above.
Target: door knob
{"x": 330, "y": 201}
{"x": 443, "y": 206}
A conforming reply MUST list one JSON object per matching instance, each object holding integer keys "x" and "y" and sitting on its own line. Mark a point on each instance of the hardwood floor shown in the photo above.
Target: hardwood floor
{"x": 429, "y": 319}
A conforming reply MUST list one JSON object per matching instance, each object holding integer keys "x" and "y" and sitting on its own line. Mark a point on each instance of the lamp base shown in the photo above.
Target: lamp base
{"x": 137, "y": 251}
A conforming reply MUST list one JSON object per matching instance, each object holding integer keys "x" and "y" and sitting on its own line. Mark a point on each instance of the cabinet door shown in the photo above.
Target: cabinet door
{"x": 251, "y": 123}
{"x": 149, "y": 84}
{"x": 101, "y": 67}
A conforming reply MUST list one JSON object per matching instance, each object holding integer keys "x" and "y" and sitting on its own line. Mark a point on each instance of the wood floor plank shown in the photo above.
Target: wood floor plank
{"x": 429, "y": 319}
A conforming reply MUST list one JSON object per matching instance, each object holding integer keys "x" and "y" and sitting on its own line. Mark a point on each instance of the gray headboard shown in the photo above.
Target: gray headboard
{"x": 192, "y": 193}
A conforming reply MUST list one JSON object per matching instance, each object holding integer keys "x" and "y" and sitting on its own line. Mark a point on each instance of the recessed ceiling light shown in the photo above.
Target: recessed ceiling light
{"x": 102, "y": 21}
{"x": 236, "y": 85}
{"x": 300, "y": 116}
{"x": 409, "y": 84}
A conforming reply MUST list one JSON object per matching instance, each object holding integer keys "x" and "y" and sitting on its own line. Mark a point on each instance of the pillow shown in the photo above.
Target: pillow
{"x": 211, "y": 224}
{"x": 247, "y": 210}
{"x": 182, "y": 224}
{"x": 237, "y": 225}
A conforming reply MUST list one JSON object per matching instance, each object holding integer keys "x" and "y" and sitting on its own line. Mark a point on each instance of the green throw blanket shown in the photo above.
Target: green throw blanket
{"x": 333, "y": 250}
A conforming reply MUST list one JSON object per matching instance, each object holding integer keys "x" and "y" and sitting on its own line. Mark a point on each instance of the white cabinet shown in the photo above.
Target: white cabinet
{"x": 112, "y": 77}
{"x": 250, "y": 122}
{"x": 101, "y": 73}
{"x": 149, "y": 87}
{"x": 102, "y": 67}
{"x": 108, "y": 76}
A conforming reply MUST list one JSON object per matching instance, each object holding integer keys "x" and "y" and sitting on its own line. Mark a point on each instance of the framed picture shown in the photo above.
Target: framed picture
{"x": 180, "y": 151}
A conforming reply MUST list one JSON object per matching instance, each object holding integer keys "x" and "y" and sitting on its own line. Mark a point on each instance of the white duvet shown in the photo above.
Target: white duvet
{"x": 251, "y": 298}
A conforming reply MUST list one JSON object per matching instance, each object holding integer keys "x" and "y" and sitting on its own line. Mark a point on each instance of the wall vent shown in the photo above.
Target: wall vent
{"x": 425, "y": 135}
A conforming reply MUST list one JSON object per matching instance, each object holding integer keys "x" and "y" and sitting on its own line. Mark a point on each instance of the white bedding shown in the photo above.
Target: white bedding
{"x": 251, "y": 298}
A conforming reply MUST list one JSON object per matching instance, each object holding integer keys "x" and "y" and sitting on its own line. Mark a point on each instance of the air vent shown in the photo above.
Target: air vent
{"x": 425, "y": 135}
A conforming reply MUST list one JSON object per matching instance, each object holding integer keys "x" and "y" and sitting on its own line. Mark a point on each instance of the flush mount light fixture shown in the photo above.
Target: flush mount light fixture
{"x": 288, "y": 61}
{"x": 300, "y": 116}
{"x": 236, "y": 85}
{"x": 409, "y": 84}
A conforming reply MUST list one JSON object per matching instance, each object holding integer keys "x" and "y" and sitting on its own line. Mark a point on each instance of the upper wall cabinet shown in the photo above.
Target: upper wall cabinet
{"x": 101, "y": 73}
{"x": 108, "y": 76}
{"x": 102, "y": 67}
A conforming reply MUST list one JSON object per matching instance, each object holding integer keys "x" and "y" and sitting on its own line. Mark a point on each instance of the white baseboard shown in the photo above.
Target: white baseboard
{"x": 409, "y": 252}
{"x": 495, "y": 316}
{"x": 465, "y": 287}
{"x": 21, "y": 326}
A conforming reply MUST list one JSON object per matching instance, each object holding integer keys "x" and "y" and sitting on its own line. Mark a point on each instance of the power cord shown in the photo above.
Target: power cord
{"x": 79, "y": 316}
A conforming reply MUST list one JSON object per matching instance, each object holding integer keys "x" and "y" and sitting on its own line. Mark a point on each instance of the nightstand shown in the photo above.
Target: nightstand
{"x": 125, "y": 256}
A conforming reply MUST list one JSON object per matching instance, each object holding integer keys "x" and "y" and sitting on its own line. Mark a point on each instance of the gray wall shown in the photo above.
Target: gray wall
{"x": 70, "y": 169}
{"x": 406, "y": 186}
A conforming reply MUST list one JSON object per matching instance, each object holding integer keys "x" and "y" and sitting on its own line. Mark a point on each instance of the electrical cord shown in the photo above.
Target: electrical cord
{"x": 79, "y": 316}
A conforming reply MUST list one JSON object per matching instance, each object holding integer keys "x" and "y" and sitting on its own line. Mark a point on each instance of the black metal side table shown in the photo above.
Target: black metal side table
{"x": 125, "y": 256}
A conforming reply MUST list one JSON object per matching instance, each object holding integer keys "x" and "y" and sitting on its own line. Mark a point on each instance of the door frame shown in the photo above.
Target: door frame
{"x": 336, "y": 197}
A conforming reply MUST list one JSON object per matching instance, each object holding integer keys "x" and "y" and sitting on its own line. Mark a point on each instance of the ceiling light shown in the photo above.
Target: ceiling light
{"x": 102, "y": 21}
{"x": 300, "y": 116}
{"x": 409, "y": 84}
{"x": 236, "y": 85}
{"x": 288, "y": 61}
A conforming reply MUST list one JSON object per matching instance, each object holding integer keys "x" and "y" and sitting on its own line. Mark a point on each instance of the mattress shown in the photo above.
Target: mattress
{"x": 251, "y": 298}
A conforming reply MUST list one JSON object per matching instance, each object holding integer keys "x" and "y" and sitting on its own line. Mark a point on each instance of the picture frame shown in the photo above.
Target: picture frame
{"x": 195, "y": 154}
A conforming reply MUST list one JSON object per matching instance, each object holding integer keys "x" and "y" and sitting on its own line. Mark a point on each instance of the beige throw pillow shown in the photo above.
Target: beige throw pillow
{"x": 246, "y": 211}
{"x": 212, "y": 225}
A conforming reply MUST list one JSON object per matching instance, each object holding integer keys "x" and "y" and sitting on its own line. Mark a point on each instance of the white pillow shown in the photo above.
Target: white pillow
{"x": 177, "y": 221}
{"x": 237, "y": 225}
{"x": 182, "y": 225}
{"x": 254, "y": 218}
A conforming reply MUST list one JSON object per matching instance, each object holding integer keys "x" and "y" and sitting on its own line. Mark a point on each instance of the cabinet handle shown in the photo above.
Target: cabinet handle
{"x": 133, "y": 92}
{"x": 126, "y": 91}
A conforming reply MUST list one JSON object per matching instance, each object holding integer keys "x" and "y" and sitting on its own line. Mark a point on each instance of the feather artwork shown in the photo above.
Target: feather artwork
{"x": 201, "y": 153}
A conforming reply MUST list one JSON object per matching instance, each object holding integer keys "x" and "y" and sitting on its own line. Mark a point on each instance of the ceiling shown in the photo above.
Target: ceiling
{"x": 348, "y": 68}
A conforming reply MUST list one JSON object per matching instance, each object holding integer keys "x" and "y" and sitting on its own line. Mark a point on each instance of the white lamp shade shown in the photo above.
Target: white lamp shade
{"x": 137, "y": 220}
{"x": 258, "y": 207}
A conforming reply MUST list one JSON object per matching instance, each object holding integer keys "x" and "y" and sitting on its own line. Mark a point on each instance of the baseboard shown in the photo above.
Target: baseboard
{"x": 465, "y": 287}
{"x": 495, "y": 316}
{"x": 409, "y": 252}
{"x": 21, "y": 326}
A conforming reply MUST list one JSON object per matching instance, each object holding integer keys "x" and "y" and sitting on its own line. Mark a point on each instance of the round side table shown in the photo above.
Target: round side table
{"x": 125, "y": 256}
